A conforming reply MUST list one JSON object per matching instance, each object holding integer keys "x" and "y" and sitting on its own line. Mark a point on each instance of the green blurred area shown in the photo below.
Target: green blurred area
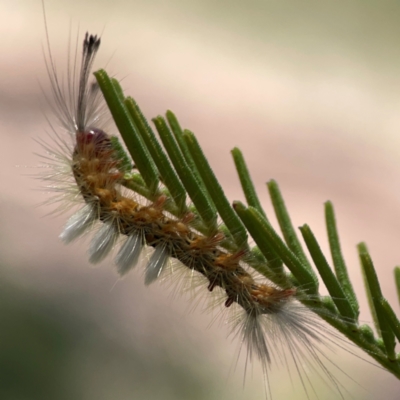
{"x": 51, "y": 351}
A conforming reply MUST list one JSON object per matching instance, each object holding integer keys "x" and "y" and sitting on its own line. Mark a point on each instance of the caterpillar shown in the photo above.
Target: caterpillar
{"x": 88, "y": 166}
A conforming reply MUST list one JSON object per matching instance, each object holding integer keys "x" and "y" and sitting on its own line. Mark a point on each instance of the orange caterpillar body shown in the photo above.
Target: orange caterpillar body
{"x": 95, "y": 168}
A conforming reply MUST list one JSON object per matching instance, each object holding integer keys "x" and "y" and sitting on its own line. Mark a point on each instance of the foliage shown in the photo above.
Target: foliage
{"x": 180, "y": 165}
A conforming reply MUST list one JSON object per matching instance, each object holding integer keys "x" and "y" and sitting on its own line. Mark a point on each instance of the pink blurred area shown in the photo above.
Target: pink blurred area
{"x": 310, "y": 95}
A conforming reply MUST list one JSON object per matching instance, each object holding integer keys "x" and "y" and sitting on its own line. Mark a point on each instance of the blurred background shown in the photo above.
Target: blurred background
{"x": 310, "y": 91}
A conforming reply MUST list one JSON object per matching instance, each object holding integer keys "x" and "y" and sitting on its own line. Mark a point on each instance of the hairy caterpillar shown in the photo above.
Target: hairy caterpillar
{"x": 268, "y": 318}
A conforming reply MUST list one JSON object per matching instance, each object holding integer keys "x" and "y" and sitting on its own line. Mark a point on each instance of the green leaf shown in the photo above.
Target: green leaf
{"x": 338, "y": 260}
{"x": 128, "y": 131}
{"x": 222, "y": 204}
{"x": 286, "y": 226}
{"x": 167, "y": 173}
{"x": 391, "y": 317}
{"x": 397, "y": 281}
{"x": 178, "y": 134}
{"x": 197, "y": 193}
{"x": 329, "y": 278}
{"x": 246, "y": 182}
{"x": 375, "y": 300}
{"x": 255, "y": 222}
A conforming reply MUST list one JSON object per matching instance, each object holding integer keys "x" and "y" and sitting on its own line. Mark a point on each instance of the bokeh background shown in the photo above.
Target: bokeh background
{"x": 308, "y": 90}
